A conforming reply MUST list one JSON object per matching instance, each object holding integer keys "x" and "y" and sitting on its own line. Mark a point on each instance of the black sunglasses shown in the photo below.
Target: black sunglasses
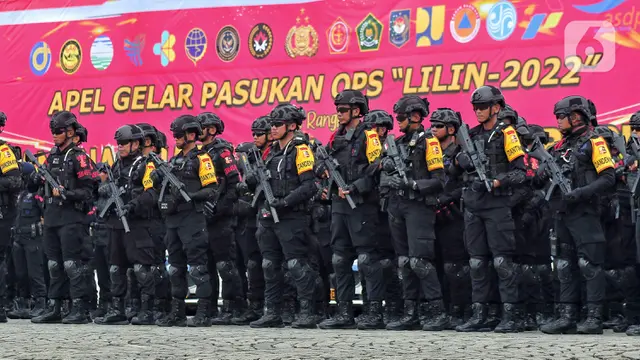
{"x": 58, "y": 131}
{"x": 343, "y": 109}
{"x": 277, "y": 123}
{"x": 438, "y": 126}
{"x": 177, "y": 135}
{"x": 258, "y": 134}
{"x": 123, "y": 142}
{"x": 401, "y": 117}
{"x": 635, "y": 128}
{"x": 481, "y": 107}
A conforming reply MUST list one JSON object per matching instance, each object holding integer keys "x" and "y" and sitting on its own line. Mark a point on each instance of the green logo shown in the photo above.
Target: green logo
{"x": 369, "y": 33}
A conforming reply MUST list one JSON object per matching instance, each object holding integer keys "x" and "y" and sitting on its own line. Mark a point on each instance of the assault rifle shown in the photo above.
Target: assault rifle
{"x": 398, "y": 159}
{"x": 53, "y": 183}
{"x": 334, "y": 174}
{"x": 115, "y": 198}
{"x": 475, "y": 152}
{"x": 168, "y": 178}
{"x": 263, "y": 175}
{"x": 551, "y": 168}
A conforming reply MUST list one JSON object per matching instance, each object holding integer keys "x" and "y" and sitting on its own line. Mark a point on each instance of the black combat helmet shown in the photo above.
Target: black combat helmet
{"x": 288, "y": 113}
{"x": 448, "y": 117}
{"x": 184, "y": 124}
{"x": 412, "y": 103}
{"x": 635, "y": 120}
{"x": 487, "y": 94}
{"x": 128, "y": 133}
{"x": 573, "y": 103}
{"x": 63, "y": 120}
{"x": 209, "y": 119}
{"x": 379, "y": 118}
{"x": 149, "y": 131}
{"x": 353, "y": 98}
{"x": 82, "y": 133}
{"x": 261, "y": 125}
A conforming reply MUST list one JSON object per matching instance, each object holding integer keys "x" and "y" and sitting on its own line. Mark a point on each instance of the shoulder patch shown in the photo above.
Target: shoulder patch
{"x": 8, "y": 159}
{"x": 512, "y": 145}
{"x": 433, "y": 154}
{"x": 600, "y": 155}
{"x": 147, "y": 183}
{"x": 374, "y": 148}
{"x": 207, "y": 171}
{"x": 304, "y": 158}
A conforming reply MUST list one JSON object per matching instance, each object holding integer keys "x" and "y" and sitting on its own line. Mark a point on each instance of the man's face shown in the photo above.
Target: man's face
{"x": 382, "y": 131}
{"x": 343, "y": 112}
{"x": 60, "y": 135}
{"x": 403, "y": 121}
{"x": 278, "y": 129}
{"x": 439, "y": 130}
{"x": 567, "y": 120}
{"x": 211, "y": 131}
{"x": 125, "y": 147}
{"x": 483, "y": 111}
{"x": 259, "y": 138}
{"x": 179, "y": 138}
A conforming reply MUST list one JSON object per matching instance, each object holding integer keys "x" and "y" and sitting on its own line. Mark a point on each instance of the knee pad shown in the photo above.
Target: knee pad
{"x": 53, "y": 266}
{"x": 199, "y": 274}
{"x": 565, "y": 271}
{"x": 364, "y": 263}
{"x": 505, "y": 267}
{"x": 629, "y": 278}
{"x": 457, "y": 271}
{"x": 588, "y": 270}
{"x": 298, "y": 268}
{"x": 613, "y": 276}
{"x": 529, "y": 274}
{"x": 341, "y": 264}
{"x": 143, "y": 272}
{"x": 421, "y": 267}
{"x": 385, "y": 263}
{"x": 269, "y": 269}
{"x": 173, "y": 271}
{"x": 74, "y": 269}
{"x": 227, "y": 269}
{"x": 252, "y": 264}
{"x": 478, "y": 268}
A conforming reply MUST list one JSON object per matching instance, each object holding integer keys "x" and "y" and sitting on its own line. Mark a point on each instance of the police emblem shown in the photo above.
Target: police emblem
{"x": 376, "y": 142}
{"x": 260, "y": 41}
{"x": 70, "y": 57}
{"x": 514, "y": 138}
{"x": 436, "y": 150}
{"x": 207, "y": 164}
{"x": 8, "y": 154}
{"x": 228, "y": 43}
{"x": 302, "y": 40}
{"x": 602, "y": 149}
{"x": 399, "y": 27}
{"x": 306, "y": 153}
{"x": 338, "y": 36}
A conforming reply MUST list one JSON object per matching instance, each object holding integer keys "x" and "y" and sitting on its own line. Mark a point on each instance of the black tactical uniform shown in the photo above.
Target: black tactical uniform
{"x": 134, "y": 248}
{"x": 415, "y": 177}
{"x": 587, "y": 164}
{"x": 27, "y": 247}
{"x": 65, "y": 229}
{"x": 632, "y": 305}
{"x": 380, "y": 119}
{"x": 157, "y": 142}
{"x": 10, "y": 185}
{"x": 187, "y": 238}
{"x": 357, "y": 150}
{"x": 489, "y": 224}
{"x": 449, "y": 227}
{"x": 222, "y": 222}
{"x": 292, "y": 182}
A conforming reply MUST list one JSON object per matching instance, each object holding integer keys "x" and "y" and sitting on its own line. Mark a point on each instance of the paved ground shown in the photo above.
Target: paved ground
{"x": 20, "y": 339}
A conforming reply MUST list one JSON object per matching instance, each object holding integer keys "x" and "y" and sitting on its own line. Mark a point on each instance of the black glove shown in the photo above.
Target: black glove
{"x": 128, "y": 209}
{"x": 398, "y": 183}
{"x": 480, "y": 186}
{"x": 320, "y": 168}
{"x": 527, "y": 219}
{"x": 241, "y": 208}
{"x": 464, "y": 161}
{"x": 318, "y": 212}
{"x": 445, "y": 199}
{"x": 388, "y": 165}
{"x": 574, "y": 196}
{"x": 242, "y": 188}
{"x": 156, "y": 177}
{"x": 278, "y": 203}
{"x": 352, "y": 189}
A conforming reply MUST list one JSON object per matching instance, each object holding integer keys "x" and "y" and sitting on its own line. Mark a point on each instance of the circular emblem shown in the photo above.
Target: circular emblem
{"x": 501, "y": 20}
{"x": 228, "y": 43}
{"x": 338, "y": 37}
{"x": 101, "y": 52}
{"x": 40, "y": 58}
{"x": 195, "y": 45}
{"x": 465, "y": 23}
{"x": 70, "y": 57}
{"x": 302, "y": 41}
{"x": 260, "y": 41}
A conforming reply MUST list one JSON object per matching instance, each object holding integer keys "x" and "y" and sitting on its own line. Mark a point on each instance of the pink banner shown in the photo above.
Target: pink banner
{"x": 119, "y": 62}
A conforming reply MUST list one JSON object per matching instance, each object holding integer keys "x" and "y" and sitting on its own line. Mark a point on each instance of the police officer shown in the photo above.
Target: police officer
{"x": 412, "y": 201}
{"x": 632, "y": 304}
{"x": 449, "y": 226}
{"x": 586, "y": 161}
{"x": 353, "y": 231}
{"x": 65, "y": 229}
{"x": 10, "y": 184}
{"x": 290, "y": 163}
{"x": 27, "y": 246}
{"x": 222, "y": 221}
{"x": 382, "y": 122}
{"x": 247, "y": 224}
{"x": 134, "y": 248}
{"x": 187, "y": 238}
{"x": 155, "y": 141}
{"x": 489, "y": 226}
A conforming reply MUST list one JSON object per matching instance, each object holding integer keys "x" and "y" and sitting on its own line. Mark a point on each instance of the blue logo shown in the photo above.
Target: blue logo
{"x": 399, "y": 27}
{"x": 502, "y": 20}
{"x": 40, "y": 58}
{"x": 599, "y": 7}
{"x": 133, "y": 49}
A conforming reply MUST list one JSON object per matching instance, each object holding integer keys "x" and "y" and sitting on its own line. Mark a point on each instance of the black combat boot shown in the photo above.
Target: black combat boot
{"x": 615, "y": 320}
{"x": 632, "y": 313}
{"x": 225, "y": 315}
{"x": 201, "y": 319}
{"x": 52, "y": 315}
{"x": 20, "y": 309}
{"x": 364, "y": 313}
{"x": 272, "y": 317}
{"x": 177, "y": 316}
{"x": 115, "y": 315}
{"x": 145, "y": 315}
{"x": 565, "y": 323}
{"x": 159, "y": 308}
{"x": 3, "y": 315}
{"x": 78, "y": 314}
{"x": 321, "y": 311}
{"x": 306, "y": 318}
{"x": 509, "y": 322}
{"x": 288, "y": 312}
{"x": 493, "y": 315}
{"x": 456, "y": 316}
{"x": 251, "y": 314}
{"x": 437, "y": 318}
{"x": 101, "y": 309}
{"x": 133, "y": 309}
{"x": 343, "y": 318}
{"x": 410, "y": 320}
{"x": 545, "y": 314}
{"x": 392, "y": 311}
{"x": 530, "y": 323}
{"x": 593, "y": 322}
{"x": 478, "y": 320}
{"x": 374, "y": 318}
{"x": 66, "y": 307}
{"x": 39, "y": 307}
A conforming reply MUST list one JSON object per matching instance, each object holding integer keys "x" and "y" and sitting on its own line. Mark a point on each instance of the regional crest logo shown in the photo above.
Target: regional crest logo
{"x": 260, "y": 41}
{"x": 369, "y": 33}
{"x": 302, "y": 40}
{"x": 195, "y": 45}
{"x": 338, "y": 36}
{"x": 228, "y": 43}
{"x": 399, "y": 27}
{"x": 70, "y": 57}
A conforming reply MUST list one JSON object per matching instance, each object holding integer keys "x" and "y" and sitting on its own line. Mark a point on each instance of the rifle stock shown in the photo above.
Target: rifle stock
{"x": 475, "y": 152}
{"x": 334, "y": 174}
{"x": 264, "y": 175}
{"x": 53, "y": 183}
